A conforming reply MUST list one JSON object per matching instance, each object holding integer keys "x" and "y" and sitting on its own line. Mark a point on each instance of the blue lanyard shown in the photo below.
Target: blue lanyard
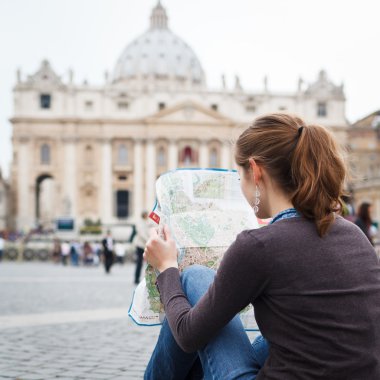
{"x": 286, "y": 214}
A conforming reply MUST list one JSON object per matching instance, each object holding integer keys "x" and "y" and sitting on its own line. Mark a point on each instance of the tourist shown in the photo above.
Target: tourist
{"x": 2, "y": 243}
{"x": 364, "y": 220}
{"x": 88, "y": 254}
{"x": 312, "y": 276}
{"x": 140, "y": 239}
{"x": 108, "y": 243}
{"x": 120, "y": 252}
{"x": 65, "y": 252}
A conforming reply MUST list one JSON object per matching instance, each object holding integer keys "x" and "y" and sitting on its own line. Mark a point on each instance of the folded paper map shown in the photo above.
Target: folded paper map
{"x": 205, "y": 211}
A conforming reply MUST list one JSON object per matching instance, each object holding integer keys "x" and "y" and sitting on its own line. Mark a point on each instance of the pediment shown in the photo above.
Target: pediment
{"x": 187, "y": 113}
{"x": 45, "y": 76}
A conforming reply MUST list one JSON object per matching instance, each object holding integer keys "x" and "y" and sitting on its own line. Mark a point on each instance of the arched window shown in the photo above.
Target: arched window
{"x": 122, "y": 155}
{"x": 88, "y": 155}
{"x": 188, "y": 155}
{"x": 45, "y": 154}
{"x": 214, "y": 158}
{"x": 161, "y": 157}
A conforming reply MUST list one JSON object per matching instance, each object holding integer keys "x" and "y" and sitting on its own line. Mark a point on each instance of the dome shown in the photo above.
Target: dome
{"x": 159, "y": 55}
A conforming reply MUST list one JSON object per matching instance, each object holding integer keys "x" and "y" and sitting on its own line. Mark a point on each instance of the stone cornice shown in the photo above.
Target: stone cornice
{"x": 22, "y": 139}
{"x": 74, "y": 121}
{"x": 151, "y": 122}
{"x": 70, "y": 139}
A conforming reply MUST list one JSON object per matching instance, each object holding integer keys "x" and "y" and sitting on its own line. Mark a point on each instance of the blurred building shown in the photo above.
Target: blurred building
{"x": 4, "y": 203}
{"x": 364, "y": 145}
{"x": 101, "y": 148}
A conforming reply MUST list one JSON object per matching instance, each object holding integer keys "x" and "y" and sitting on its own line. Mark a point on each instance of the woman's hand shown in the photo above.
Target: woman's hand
{"x": 161, "y": 253}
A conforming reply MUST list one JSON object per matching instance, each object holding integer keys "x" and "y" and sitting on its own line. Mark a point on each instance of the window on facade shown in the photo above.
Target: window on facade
{"x": 322, "y": 109}
{"x": 122, "y": 177}
{"x": 250, "y": 108}
{"x": 122, "y": 155}
{"x": 187, "y": 155}
{"x": 45, "y": 101}
{"x": 88, "y": 155}
{"x": 122, "y": 203}
{"x": 214, "y": 158}
{"x": 161, "y": 106}
{"x": 161, "y": 157}
{"x": 122, "y": 105}
{"x": 88, "y": 105}
{"x": 45, "y": 154}
{"x": 214, "y": 107}
{"x": 1, "y": 196}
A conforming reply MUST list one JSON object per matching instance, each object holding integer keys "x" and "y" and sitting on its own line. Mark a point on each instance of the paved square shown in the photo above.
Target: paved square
{"x": 70, "y": 323}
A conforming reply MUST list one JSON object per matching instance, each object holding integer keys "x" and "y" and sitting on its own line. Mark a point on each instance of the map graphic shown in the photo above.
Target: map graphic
{"x": 205, "y": 211}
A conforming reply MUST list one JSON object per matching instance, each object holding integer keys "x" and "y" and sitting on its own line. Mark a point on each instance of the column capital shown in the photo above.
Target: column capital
{"x": 69, "y": 139}
{"x": 150, "y": 140}
{"x": 104, "y": 140}
{"x": 23, "y": 139}
{"x": 138, "y": 140}
{"x": 204, "y": 142}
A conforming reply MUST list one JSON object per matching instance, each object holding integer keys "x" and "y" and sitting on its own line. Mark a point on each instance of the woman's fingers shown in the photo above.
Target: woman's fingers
{"x": 167, "y": 234}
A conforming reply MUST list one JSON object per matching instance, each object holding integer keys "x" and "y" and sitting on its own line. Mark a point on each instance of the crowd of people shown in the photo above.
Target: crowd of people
{"x": 89, "y": 253}
{"x": 107, "y": 250}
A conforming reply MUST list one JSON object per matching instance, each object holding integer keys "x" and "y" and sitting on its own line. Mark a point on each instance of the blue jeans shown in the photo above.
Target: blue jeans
{"x": 230, "y": 355}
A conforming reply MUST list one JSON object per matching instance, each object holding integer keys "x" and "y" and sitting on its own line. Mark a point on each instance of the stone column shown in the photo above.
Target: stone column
{"x": 138, "y": 179}
{"x": 106, "y": 183}
{"x": 23, "y": 158}
{"x": 70, "y": 178}
{"x": 173, "y": 155}
{"x": 226, "y": 155}
{"x": 150, "y": 174}
{"x": 203, "y": 155}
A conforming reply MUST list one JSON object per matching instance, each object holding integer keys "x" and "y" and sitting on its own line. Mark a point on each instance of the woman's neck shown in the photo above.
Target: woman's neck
{"x": 280, "y": 206}
{"x": 277, "y": 201}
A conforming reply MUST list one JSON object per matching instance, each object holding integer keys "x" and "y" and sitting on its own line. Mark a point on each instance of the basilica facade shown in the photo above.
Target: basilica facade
{"x": 94, "y": 152}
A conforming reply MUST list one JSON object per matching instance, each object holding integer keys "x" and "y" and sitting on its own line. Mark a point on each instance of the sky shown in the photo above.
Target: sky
{"x": 280, "y": 39}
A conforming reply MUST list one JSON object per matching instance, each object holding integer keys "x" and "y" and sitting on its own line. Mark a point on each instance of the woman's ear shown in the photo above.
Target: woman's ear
{"x": 255, "y": 170}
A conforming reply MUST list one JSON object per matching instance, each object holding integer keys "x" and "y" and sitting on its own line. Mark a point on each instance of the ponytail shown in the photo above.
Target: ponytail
{"x": 304, "y": 160}
{"x": 318, "y": 173}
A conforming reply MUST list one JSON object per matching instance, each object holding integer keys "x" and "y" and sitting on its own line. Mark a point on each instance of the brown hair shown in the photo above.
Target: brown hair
{"x": 304, "y": 160}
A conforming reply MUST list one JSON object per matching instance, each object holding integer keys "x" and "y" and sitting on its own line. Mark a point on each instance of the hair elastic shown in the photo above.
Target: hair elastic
{"x": 299, "y": 132}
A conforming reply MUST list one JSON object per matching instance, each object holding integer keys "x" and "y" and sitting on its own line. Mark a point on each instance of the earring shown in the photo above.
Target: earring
{"x": 257, "y": 200}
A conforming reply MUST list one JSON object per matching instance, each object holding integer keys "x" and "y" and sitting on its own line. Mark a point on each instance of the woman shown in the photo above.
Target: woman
{"x": 364, "y": 221}
{"x": 312, "y": 277}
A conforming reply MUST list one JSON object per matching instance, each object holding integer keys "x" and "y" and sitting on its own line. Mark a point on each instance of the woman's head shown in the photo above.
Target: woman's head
{"x": 303, "y": 161}
{"x": 364, "y": 213}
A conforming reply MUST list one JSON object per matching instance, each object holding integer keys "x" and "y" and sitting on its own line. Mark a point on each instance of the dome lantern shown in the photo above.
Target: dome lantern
{"x": 159, "y": 18}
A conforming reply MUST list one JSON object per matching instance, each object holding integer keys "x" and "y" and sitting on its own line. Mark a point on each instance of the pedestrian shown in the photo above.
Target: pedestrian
{"x": 108, "y": 243}
{"x": 140, "y": 239}
{"x": 74, "y": 254}
{"x": 88, "y": 254}
{"x": 312, "y": 276}
{"x": 57, "y": 250}
{"x": 97, "y": 249}
{"x": 364, "y": 220}
{"x": 65, "y": 252}
{"x": 2, "y": 241}
{"x": 120, "y": 252}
